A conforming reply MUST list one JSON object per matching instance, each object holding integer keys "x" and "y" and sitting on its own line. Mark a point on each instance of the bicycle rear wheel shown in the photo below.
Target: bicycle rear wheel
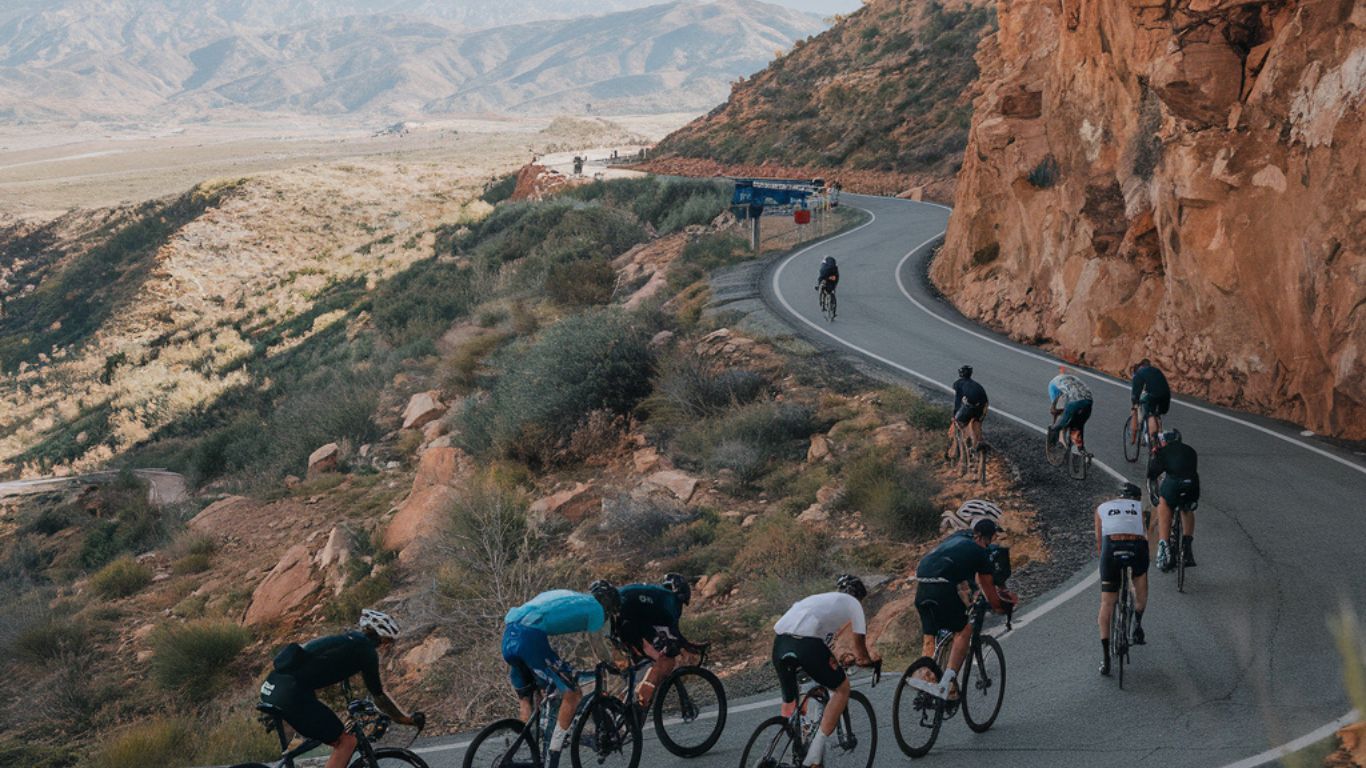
{"x": 983, "y": 687}
{"x": 500, "y": 745}
{"x": 772, "y": 745}
{"x": 1052, "y": 450}
{"x": 1076, "y": 462}
{"x": 690, "y": 711}
{"x": 607, "y": 734}
{"x": 1119, "y": 628}
{"x": 391, "y": 757}
{"x": 1131, "y": 446}
{"x": 833, "y": 304}
{"x": 916, "y": 715}
{"x": 979, "y": 470}
{"x": 1177, "y": 546}
{"x": 854, "y": 742}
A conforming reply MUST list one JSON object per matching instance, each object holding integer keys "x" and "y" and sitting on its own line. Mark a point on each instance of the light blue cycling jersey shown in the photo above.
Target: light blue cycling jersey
{"x": 559, "y": 612}
{"x": 1066, "y": 389}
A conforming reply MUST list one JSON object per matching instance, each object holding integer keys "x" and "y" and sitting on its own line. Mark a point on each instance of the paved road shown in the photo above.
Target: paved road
{"x": 162, "y": 487}
{"x": 1239, "y": 664}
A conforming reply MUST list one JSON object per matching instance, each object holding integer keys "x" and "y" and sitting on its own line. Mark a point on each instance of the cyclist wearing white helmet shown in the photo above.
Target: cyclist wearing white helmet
{"x": 959, "y": 558}
{"x": 300, "y": 670}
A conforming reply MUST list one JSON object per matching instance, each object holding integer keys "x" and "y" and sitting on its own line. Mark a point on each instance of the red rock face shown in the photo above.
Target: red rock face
{"x": 1177, "y": 178}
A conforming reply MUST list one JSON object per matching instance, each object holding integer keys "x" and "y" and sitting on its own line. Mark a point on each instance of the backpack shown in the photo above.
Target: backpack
{"x": 289, "y": 658}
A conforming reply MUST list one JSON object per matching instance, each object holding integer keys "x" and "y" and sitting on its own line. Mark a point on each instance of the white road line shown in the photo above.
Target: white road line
{"x": 1312, "y": 737}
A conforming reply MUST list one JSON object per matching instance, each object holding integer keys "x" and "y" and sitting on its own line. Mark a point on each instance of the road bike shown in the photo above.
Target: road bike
{"x": 1122, "y": 620}
{"x": 1069, "y": 447}
{"x": 364, "y": 721}
{"x": 1145, "y": 438}
{"x": 604, "y": 729}
{"x": 782, "y": 742}
{"x": 918, "y": 710}
{"x": 970, "y": 456}
{"x": 1176, "y": 543}
{"x": 828, "y": 303}
{"x": 689, "y": 707}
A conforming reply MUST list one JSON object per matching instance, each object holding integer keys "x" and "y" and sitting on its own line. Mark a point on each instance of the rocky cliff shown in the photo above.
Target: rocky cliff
{"x": 1178, "y": 176}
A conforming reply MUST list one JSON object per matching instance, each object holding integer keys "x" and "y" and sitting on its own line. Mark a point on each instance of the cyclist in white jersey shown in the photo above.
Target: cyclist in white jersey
{"x": 1119, "y": 528}
{"x": 804, "y": 636}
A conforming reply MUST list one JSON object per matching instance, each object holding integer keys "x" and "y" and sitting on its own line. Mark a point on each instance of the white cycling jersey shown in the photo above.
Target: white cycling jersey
{"x": 822, "y": 616}
{"x": 1122, "y": 516}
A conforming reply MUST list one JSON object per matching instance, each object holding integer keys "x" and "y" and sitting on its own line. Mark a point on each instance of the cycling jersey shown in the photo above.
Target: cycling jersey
{"x": 302, "y": 669}
{"x": 957, "y": 559}
{"x": 526, "y": 638}
{"x": 1066, "y": 388}
{"x": 559, "y": 612}
{"x": 1148, "y": 380}
{"x": 822, "y": 616}
{"x": 649, "y": 614}
{"x": 829, "y": 274}
{"x": 1121, "y": 517}
{"x": 1177, "y": 460}
{"x": 968, "y": 392}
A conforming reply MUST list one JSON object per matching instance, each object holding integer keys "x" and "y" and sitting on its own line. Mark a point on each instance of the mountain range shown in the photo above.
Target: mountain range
{"x": 171, "y": 58}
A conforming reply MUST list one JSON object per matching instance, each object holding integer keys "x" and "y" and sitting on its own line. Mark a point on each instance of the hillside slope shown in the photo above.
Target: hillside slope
{"x": 884, "y": 92}
{"x": 1181, "y": 179}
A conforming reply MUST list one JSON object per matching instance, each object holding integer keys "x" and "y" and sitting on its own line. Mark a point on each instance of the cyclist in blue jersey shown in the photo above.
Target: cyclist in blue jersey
{"x": 533, "y": 664}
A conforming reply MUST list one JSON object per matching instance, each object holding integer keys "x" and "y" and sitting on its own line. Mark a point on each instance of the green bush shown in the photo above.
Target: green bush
{"x": 581, "y": 283}
{"x": 194, "y": 563}
{"x": 780, "y": 546}
{"x": 347, "y": 606}
{"x": 499, "y": 189}
{"x": 195, "y": 659}
{"x": 50, "y": 520}
{"x": 666, "y": 204}
{"x": 161, "y": 742}
{"x": 236, "y": 738}
{"x": 121, "y": 578}
{"x": 703, "y": 255}
{"x": 31, "y": 755}
{"x": 423, "y": 300}
{"x": 896, "y": 500}
{"x": 52, "y": 640}
{"x": 126, "y": 522}
{"x": 747, "y": 439}
{"x": 689, "y": 388}
{"x": 590, "y": 362}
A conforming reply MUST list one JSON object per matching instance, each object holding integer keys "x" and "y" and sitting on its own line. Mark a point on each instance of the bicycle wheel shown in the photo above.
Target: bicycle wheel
{"x": 251, "y": 765}
{"x": 391, "y": 757}
{"x": 1119, "y": 628}
{"x": 1177, "y": 547}
{"x": 500, "y": 745}
{"x": 607, "y": 733}
{"x": 690, "y": 711}
{"x": 772, "y": 745}
{"x": 983, "y": 687}
{"x": 833, "y": 304}
{"x": 980, "y": 466}
{"x": 1076, "y": 463}
{"x": 854, "y": 742}
{"x": 916, "y": 715}
{"x": 1131, "y": 446}
{"x": 1052, "y": 450}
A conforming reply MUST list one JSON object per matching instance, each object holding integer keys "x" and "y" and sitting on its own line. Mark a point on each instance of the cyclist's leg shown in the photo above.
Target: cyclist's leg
{"x": 521, "y": 677}
{"x": 1078, "y": 423}
{"x": 819, "y": 663}
{"x": 663, "y": 650}
{"x": 977, "y": 426}
{"x": 1110, "y": 576}
{"x": 784, "y": 645}
{"x": 552, "y": 671}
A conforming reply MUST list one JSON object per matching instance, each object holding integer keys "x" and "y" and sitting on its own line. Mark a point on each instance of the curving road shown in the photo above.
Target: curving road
{"x": 1237, "y": 670}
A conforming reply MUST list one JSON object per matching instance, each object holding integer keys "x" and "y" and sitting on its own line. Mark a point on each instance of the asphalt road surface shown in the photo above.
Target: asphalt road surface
{"x": 1238, "y": 669}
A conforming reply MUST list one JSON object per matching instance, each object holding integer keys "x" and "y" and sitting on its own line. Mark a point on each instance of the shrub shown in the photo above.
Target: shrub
{"x": 194, "y": 659}
{"x": 747, "y": 439}
{"x": 163, "y": 742}
{"x": 492, "y": 554}
{"x": 780, "y": 546}
{"x": 50, "y": 520}
{"x": 30, "y": 755}
{"x": 195, "y": 563}
{"x": 895, "y": 500}
{"x": 635, "y": 524}
{"x": 689, "y": 388}
{"x": 927, "y": 416}
{"x": 52, "y": 640}
{"x": 461, "y": 371}
{"x": 235, "y": 738}
{"x": 581, "y": 283}
{"x": 365, "y": 593}
{"x": 703, "y": 255}
{"x": 121, "y": 578}
{"x": 128, "y": 522}
{"x": 500, "y": 189}
{"x": 423, "y": 300}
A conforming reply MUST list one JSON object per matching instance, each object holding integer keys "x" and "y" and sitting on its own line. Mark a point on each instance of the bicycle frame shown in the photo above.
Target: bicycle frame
{"x": 821, "y": 695}
{"x": 943, "y": 642}
{"x": 361, "y": 713}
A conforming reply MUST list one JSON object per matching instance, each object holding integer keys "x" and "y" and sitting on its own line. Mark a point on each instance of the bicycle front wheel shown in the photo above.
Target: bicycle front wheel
{"x": 1119, "y": 628}
{"x": 690, "y": 711}
{"x": 391, "y": 757}
{"x": 854, "y": 742}
{"x": 1178, "y": 547}
{"x": 772, "y": 745}
{"x": 501, "y": 745}
{"x": 607, "y": 734}
{"x": 983, "y": 688}
{"x": 1131, "y": 445}
{"x": 916, "y": 715}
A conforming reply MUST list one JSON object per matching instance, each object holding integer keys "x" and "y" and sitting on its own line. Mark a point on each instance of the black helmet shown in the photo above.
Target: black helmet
{"x": 607, "y": 596}
{"x": 1130, "y": 491}
{"x": 828, "y": 260}
{"x": 851, "y": 585}
{"x": 675, "y": 583}
{"x": 965, "y": 372}
{"x": 986, "y": 528}
{"x": 1141, "y": 364}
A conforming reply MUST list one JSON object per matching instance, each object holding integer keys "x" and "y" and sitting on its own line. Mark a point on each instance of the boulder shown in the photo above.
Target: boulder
{"x": 214, "y": 517}
{"x": 680, "y": 484}
{"x": 1353, "y": 751}
{"x": 573, "y": 504}
{"x": 285, "y": 588}
{"x": 646, "y": 459}
{"x": 432, "y": 495}
{"x": 423, "y": 408}
{"x": 418, "y": 660}
{"x": 827, "y": 494}
{"x": 717, "y": 585}
{"x": 433, "y": 430}
{"x": 819, "y": 450}
{"x": 814, "y": 515}
{"x": 895, "y": 624}
{"x": 333, "y": 558}
{"x": 325, "y": 459}
{"x": 661, "y": 340}
{"x": 890, "y": 435}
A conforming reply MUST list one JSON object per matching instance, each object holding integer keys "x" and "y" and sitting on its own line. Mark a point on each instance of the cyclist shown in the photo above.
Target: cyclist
{"x": 969, "y": 404}
{"x": 1181, "y": 485}
{"x": 1069, "y": 403}
{"x": 300, "y": 670}
{"x": 961, "y": 557}
{"x": 532, "y": 663}
{"x": 1119, "y": 528}
{"x": 648, "y": 626}
{"x": 829, "y": 276}
{"x": 1150, "y": 390}
{"x": 806, "y": 633}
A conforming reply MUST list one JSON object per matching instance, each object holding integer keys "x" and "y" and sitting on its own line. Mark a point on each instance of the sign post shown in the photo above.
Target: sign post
{"x": 754, "y": 195}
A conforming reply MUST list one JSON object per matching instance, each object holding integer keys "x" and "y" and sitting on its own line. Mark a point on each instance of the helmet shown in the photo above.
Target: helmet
{"x": 675, "y": 583}
{"x": 973, "y": 509}
{"x": 607, "y": 595}
{"x": 828, "y": 260}
{"x": 965, "y": 372}
{"x": 380, "y": 623}
{"x": 1169, "y": 437}
{"x": 1130, "y": 491}
{"x": 1141, "y": 364}
{"x": 851, "y": 585}
{"x": 985, "y": 527}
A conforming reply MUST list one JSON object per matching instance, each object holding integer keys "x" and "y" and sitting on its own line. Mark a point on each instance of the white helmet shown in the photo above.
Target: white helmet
{"x": 380, "y": 623}
{"x": 972, "y": 511}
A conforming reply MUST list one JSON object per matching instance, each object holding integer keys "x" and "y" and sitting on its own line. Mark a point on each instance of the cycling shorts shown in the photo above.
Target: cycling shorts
{"x": 301, "y": 708}
{"x": 666, "y": 640}
{"x": 1111, "y": 561}
{"x": 1155, "y": 405}
{"x": 533, "y": 663}
{"x": 792, "y": 653}
{"x": 1178, "y": 492}
{"x": 967, "y": 412}
{"x": 1075, "y": 415}
{"x": 940, "y": 608}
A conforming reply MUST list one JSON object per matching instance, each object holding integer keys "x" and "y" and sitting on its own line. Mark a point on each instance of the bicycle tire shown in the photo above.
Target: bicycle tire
{"x": 920, "y": 702}
{"x": 855, "y": 736}
{"x": 615, "y": 728}
{"x": 251, "y": 765}
{"x": 1076, "y": 463}
{"x": 986, "y": 680}
{"x": 834, "y": 304}
{"x": 1178, "y": 550}
{"x": 389, "y": 757}
{"x": 1131, "y": 457}
{"x": 1119, "y": 627}
{"x": 499, "y": 756}
{"x": 773, "y": 748}
{"x": 981, "y": 467}
{"x": 695, "y": 680}
{"x": 1052, "y": 450}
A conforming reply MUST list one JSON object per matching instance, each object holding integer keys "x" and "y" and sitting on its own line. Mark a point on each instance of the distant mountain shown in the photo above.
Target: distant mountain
{"x": 103, "y": 60}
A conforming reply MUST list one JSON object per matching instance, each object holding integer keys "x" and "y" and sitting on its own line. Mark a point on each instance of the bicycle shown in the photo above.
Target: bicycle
{"x": 828, "y": 303}
{"x": 690, "y": 695}
{"x": 1176, "y": 543}
{"x": 981, "y": 687}
{"x": 1122, "y": 620}
{"x": 364, "y": 721}
{"x": 1145, "y": 438}
{"x": 782, "y": 742}
{"x": 1070, "y": 447}
{"x": 603, "y": 727}
{"x": 970, "y": 456}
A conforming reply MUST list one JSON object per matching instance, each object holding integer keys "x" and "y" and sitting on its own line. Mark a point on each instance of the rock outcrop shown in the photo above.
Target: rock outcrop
{"x": 434, "y": 490}
{"x": 286, "y": 587}
{"x": 1183, "y": 177}
{"x": 423, "y": 408}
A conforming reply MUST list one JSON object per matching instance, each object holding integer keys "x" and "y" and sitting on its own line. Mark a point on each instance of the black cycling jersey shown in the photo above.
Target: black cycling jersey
{"x": 828, "y": 271}
{"x": 1176, "y": 460}
{"x": 330, "y": 660}
{"x": 649, "y": 605}
{"x": 957, "y": 559}
{"x": 969, "y": 390}
{"x": 1151, "y": 380}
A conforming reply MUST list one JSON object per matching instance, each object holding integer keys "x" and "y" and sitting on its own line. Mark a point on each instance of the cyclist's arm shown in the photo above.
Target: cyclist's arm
{"x": 863, "y": 656}
{"x": 988, "y": 587}
{"x": 370, "y": 674}
{"x": 602, "y": 648}
{"x": 1135, "y": 390}
{"x": 1156, "y": 467}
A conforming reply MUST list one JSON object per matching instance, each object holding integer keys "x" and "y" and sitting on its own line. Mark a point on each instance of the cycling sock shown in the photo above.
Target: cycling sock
{"x": 558, "y": 739}
{"x": 816, "y": 751}
{"x": 1186, "y": 541}
{"x": 1138, "y": 618}
{"x": 1105, "y": 646}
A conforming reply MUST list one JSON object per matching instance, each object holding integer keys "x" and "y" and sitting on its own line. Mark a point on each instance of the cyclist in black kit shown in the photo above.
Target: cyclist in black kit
{"x": 1181, "y": 485}
{"x": 648, "y": 626}
{"x": 1150, "y": 390}
{"x": 969, "y": 404}
{"x": 829, "y": 275}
